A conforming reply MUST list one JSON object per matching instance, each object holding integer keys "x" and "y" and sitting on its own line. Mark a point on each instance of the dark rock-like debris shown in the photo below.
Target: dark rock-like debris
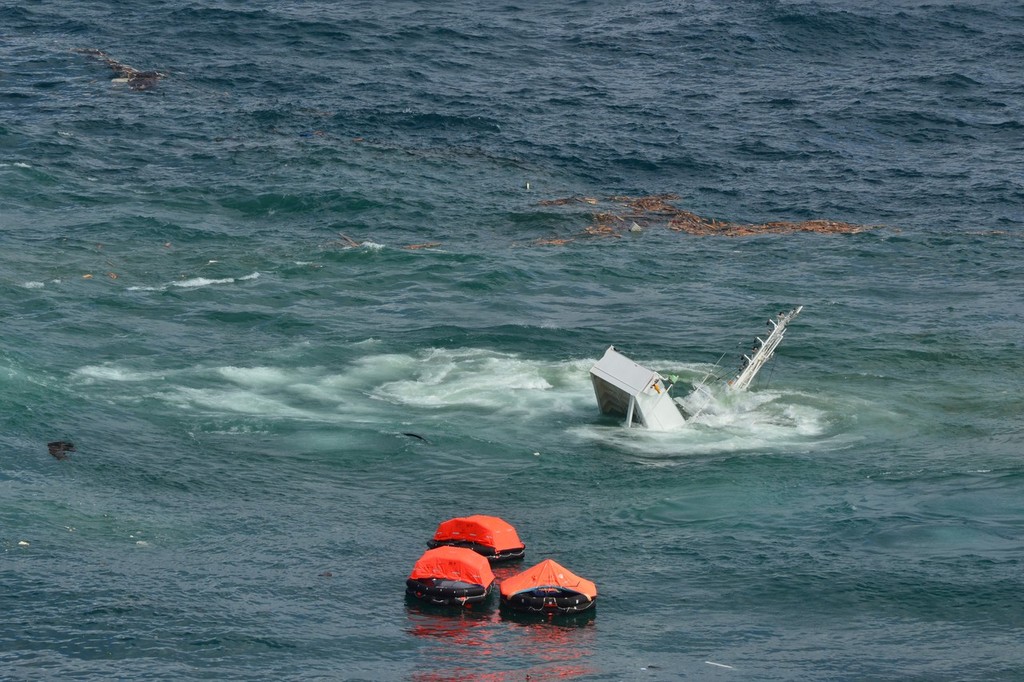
{"x": 60, "y": 449}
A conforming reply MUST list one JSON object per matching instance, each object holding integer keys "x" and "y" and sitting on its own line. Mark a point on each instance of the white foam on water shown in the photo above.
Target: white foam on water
{"x": 376, "y": 388}
{"x": 265, "y": 392}
{"x": 748, "y": 421}
{"x": 495, "y": 383}
{"x": 664, "y": 446}
{"x": 226, "y": 401}
{"x": 482, "y": 380}
{"x": 114, "y": 373}
{"x": 505, "y": 393}
{"x": 255, "y": 376}
{"x": 306, "y": 383}
{"x": 33, "y": 285}
{"x": 196, "y": 283}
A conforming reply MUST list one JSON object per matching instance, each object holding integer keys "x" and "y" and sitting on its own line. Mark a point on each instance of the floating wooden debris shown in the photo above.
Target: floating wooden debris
{"x": 601, "y": 230}
{"x": 655, "y": 203}
{"x": 569, "y": 200}
{"x": 348, "y": 242}
{"x": 135, "y": 79}
{"x": 636, "y": 213}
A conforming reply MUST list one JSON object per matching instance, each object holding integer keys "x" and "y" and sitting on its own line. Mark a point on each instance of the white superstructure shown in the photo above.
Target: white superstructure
{"x": 640, "y": 395}
{"x": 624, "y": 388}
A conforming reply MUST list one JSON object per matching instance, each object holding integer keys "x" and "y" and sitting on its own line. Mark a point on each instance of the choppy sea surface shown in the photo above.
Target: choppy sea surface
{"x": 325, "y": 226}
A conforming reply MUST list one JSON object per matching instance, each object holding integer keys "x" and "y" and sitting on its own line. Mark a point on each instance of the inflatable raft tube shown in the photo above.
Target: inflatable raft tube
{"x": 489, "y": 536}
{"x": 450, "y": 576}
{"x": 548, "y": 587}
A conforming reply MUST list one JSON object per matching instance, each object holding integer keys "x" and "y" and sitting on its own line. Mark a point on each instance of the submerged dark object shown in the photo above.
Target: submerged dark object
{"x": 450, "y": 576}
{"x": 135, "y": 79}
{"x": 548, "y": 588}
{"x": 417, "y": 436}
{"x": 488, "y": 536}
{"x": 61, "y": 448}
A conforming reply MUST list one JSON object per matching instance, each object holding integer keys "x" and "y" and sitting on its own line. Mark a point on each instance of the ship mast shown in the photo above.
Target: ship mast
{"x": 763, "y": 350}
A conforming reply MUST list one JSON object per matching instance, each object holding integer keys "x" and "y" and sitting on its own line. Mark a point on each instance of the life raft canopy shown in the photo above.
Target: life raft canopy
{"x": 548, "y": 587}
{"x": 489, "y": 536}
{"x": 451, "y": 576}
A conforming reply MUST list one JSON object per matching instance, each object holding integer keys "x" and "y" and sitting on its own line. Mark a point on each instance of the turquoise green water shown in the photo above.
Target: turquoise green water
{"x": 207, "y": 288}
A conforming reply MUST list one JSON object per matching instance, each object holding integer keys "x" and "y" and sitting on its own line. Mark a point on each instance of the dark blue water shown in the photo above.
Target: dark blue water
{"x": 327, "y": 225}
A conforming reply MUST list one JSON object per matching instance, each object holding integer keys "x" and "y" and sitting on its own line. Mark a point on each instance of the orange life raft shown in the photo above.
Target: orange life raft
{"x": 450, "y": 576}
{"x": 548, "y": 587}
{"x": 490, "y": 536}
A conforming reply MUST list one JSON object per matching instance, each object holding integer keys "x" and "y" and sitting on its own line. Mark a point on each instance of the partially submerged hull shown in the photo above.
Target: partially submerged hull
{"x": 626, "y": 389}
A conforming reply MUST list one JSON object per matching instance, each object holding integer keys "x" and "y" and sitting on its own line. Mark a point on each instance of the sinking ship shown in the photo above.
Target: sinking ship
{"x": 642, "y": 396}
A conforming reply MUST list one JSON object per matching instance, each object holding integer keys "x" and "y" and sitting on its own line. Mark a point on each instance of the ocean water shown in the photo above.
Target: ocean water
{"x": 325, "y": 226}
